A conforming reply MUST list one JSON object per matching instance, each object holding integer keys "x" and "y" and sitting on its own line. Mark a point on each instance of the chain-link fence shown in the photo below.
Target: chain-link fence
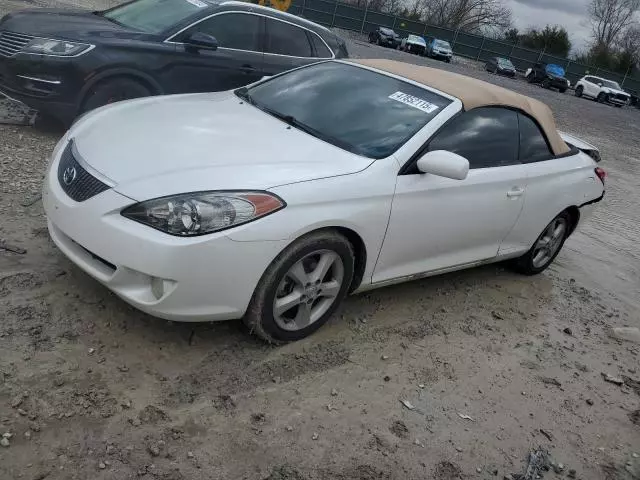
{"x": 340, "y": 15}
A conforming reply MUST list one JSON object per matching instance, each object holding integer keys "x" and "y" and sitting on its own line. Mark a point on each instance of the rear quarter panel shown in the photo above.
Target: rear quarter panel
{"x": 552, "y": 187}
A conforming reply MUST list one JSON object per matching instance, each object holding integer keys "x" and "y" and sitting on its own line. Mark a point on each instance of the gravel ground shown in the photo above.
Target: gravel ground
{"x": 494, "y": 364}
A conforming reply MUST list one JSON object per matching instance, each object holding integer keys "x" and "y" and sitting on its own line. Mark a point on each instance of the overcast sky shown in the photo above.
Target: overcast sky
{"x": 571, "y": 14}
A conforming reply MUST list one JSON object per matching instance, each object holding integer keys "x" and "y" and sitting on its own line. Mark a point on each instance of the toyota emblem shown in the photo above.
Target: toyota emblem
{"x": 69, "y": 175}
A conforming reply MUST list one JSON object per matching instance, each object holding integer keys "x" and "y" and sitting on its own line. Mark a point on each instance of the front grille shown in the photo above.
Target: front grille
{"x": 622, "y": 97}
{"x": 79, "y": 184}
{"x": 12, "y": 43}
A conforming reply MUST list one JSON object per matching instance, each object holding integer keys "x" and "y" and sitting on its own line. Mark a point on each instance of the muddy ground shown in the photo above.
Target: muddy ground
{"x": 92, "y": 389}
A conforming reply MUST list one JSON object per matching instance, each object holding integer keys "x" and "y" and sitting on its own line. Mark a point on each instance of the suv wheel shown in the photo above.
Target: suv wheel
{"x": 579, "y": 90}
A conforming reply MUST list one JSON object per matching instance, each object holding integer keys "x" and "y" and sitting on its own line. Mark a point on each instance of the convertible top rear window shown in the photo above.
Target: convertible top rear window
{"x": 356, "y": 109}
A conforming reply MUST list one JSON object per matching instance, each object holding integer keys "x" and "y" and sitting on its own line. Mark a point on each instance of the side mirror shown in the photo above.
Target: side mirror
{"x": 199, "y": 40}
{"x": 444, "y": 164}
{"x": 599, "y": 84}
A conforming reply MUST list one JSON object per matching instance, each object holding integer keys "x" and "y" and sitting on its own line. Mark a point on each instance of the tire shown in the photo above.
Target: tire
{"x": 378, "y": 42}
{"x": 545, "y": 83}
{"x": 602, "y": 97}
{"x": 617, "y": 105}
{"x": 449, "y": 60}
{"x": 371, "y": 39}
{"x": 113, "y": 90}
{"x": 562, "y": 90}
{"x": 531, "y": 78}
{"x": 579, "y": 90}
{"x": 278, "y": 282}
{"x": 530, "y": 263}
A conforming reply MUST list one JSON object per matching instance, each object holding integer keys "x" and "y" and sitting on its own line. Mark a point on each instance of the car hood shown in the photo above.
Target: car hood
{"x": 614, "y": 90}
{"x": 213, "y": 141}
{"x": 64, "y": 24}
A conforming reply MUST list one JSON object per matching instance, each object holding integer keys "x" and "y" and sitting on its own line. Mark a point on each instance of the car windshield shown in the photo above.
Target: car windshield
{"x": 610, "y": 84}
{"x": 388, "y": 31}
{"x": 416, "y": 39}
{"x": 153, "y": 16}
{"x": 505, "y": 62}
{"x": 443, "y": 44}
{"x": 358, "y": 110}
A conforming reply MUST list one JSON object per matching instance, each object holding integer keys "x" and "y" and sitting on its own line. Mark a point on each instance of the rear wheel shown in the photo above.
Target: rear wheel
{"x": 113, "y": 90}
{"x": 546, "y": 247}
{"x": 579, "y": 91}
{"x": 301, "y": 288}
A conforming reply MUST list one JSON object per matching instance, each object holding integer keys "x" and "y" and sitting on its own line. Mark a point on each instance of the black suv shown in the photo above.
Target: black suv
{"x": 66, "y": 62}
{"x": 384, "y": 37}
{"x": 548, "y": 75}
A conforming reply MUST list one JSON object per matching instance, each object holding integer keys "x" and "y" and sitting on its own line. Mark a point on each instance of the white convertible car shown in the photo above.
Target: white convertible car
{"x": 273, "y": 202}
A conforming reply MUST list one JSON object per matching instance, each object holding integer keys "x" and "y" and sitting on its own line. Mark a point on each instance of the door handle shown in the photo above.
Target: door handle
{"x": 515, "y": 192}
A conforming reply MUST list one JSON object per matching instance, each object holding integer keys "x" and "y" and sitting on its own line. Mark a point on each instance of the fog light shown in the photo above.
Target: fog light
{"x": 157, "y": 287}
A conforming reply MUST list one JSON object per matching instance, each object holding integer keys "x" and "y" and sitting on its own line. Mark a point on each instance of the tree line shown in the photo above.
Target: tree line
{"x": 615, "y": 29}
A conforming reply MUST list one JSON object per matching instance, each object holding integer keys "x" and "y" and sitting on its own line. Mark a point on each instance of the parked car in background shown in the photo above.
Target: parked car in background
{"x": 500, "y": 66}
{"x": 357, "y": 175}
{"x": 548, "y": 76}
{"x": 440, "y": 49}
{"x": 602, "y": 90}
{"x": 385, "y": 37}
{"x": 414, "y": 44}
{"x": 66, "y": 62}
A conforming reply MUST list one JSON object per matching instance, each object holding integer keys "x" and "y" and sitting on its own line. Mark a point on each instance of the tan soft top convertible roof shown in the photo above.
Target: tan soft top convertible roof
{"x": 474, "y": 93}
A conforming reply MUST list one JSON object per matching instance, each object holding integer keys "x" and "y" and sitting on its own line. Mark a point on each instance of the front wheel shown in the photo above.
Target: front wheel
{"x": 602, "y": 97}
{"x": 546, "y": 247}
{"x": 113, "y": 90}
{"x": 562, "y": 90}
{"x": 301, "y": 288}
{"x": 546, "y": 83}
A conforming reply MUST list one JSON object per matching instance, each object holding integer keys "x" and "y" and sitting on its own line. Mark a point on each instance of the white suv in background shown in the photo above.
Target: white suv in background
{"x": 602, "y": 90}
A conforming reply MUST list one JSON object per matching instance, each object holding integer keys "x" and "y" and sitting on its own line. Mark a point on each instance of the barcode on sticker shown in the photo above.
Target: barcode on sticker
{"x": 414, "y": 102}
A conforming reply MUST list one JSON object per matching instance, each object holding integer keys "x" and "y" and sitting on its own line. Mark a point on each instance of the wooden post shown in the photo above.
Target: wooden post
{"x": 335, "y": 9}
{"x": 364, "y": 19}
{"x": 480, "y": 50}
{"x": 625, "y": 76}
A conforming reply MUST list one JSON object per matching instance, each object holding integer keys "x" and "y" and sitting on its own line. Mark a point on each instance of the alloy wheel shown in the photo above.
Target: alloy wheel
{"x": 308, "y": 290}
{"x": 549, "y": 242}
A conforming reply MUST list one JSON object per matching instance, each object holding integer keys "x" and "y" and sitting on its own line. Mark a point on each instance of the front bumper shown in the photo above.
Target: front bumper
{"x": 389, "y": 42}
{"x": 185, "y": 279}
{"x": 506, "y": 72}
{"x": 618, "y": 100}
{"x": 48, "y": 84}
{"x": 559, "y": 83}
{"x": 437, "y": 53}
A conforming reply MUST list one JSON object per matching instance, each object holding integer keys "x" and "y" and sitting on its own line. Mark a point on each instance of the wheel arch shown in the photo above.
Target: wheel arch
{"x": 355, "y": 239}
{"x": 574, "y": 214}
{"x": 120, "y": 72}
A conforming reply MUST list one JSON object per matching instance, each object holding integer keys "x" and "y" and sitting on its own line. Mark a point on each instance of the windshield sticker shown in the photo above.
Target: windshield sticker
{"x": 414, "y": 102}
{"x": 197, "y": 3}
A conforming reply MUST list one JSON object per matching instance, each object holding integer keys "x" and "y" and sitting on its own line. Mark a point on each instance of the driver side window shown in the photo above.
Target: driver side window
{"x": 486, "y": 136}
{"x": 239, "y": 31}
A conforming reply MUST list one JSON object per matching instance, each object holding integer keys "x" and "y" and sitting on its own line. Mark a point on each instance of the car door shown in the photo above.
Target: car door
{"x": 438, "y": 223}
{"x": 553, "y": 184}
{"x": 236, "y": 62}
{"x": 590, "y": 87}
{"x": 289, "y": 46}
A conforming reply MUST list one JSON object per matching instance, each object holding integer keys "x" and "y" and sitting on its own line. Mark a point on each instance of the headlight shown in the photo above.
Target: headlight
{"x": 200, "y": 213}
{"x": 60, "y": 48}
